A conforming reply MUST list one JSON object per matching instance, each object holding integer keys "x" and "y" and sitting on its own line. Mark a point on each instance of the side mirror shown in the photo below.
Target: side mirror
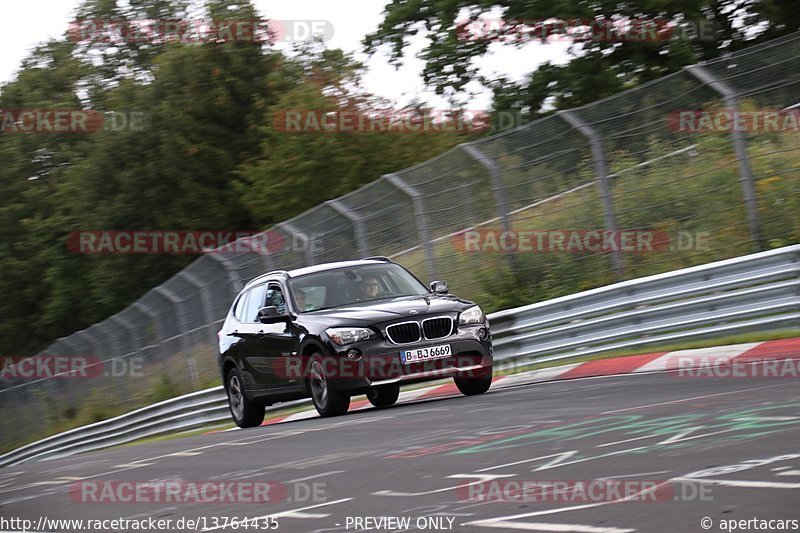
{"x": 439, "y": 287}
{"x": 270, "y": 315}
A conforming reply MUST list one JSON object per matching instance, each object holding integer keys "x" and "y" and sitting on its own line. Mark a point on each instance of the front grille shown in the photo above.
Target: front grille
{"x": 436, "y": 328}
{"x": 404, "y": 332}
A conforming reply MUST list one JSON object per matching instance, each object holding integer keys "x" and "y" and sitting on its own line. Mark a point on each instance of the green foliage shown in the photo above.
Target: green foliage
{"x": 598, "y": 67}
{"x": 298, "y": 169}
{"x": 208, "y": 158}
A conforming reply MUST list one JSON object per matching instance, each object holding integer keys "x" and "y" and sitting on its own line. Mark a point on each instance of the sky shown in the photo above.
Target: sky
{"x": 36, "y": 21}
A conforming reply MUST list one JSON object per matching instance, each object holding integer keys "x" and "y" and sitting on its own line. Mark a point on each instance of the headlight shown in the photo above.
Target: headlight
{"x": 342, "y": 336}
{"x": 472, "y": 315}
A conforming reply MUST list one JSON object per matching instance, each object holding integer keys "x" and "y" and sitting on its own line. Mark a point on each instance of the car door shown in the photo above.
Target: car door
{"x": 253, "y": 364}
{"x": 278, "y": 342}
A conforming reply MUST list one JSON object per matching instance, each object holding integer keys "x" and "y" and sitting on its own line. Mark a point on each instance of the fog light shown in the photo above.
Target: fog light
{"x": 354, "y": 354}
{"x": 482, "y": 334}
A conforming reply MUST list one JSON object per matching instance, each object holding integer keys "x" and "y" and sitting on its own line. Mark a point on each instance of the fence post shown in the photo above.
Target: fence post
{"x": 130, "y": 332}
{"x": 358, "y": 224}
{"x": 208, "y": 305}
{"x": 498, "y": 187}
{"x": 293, "y": 231}
{"x": 102, "y": 327}
{"x": 70, "y": 343}
{"x": 266, "y": 256}
{"x": 177, "y": 303}
{"x": 423, "y": 230}
{"x": 601, "y": 173}
{"x": 740, "y": 148}
{"x": 236, "y": 283}
{"x": 96, "y": 348}
{"x": 148, "y": 313}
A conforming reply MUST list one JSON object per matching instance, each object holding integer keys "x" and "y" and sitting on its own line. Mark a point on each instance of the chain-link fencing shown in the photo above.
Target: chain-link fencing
{"x": 636, "y": 184}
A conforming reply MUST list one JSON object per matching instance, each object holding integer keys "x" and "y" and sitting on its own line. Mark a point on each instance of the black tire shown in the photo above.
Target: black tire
{"x": 383, "y": 396}
{"x": 477, "y": 384}
{"x": 327, "y": 400}
{"x": 245, "y": 413}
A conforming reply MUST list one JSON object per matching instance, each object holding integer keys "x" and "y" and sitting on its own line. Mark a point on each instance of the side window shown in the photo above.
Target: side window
{"x": 275, "y": 297}
{"x": 238, "y": 311}
{"x": 255, "y": 301}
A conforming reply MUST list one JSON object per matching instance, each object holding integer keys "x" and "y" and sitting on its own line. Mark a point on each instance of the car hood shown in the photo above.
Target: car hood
{"x": 379, "y": 311}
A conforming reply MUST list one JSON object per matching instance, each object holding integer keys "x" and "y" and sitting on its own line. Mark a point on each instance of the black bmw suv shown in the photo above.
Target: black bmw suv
{"x": 341, "y": 329}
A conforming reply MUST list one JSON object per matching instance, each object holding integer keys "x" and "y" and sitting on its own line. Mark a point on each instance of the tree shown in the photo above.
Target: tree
{"x": 296, "y": 170}
{"x": 700, "y": 30}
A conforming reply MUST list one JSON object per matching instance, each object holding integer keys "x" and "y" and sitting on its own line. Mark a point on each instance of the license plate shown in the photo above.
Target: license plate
{"x": 425, "y": 354}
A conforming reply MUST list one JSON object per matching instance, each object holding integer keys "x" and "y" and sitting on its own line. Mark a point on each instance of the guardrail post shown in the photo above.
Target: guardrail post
{"x": 293, "y": 231}
{"x": 358, "y": 225}
{"x": 421, "y": 219}
{"x": 601, "y": 173}
{"x": 740, "y": 148}
{"x": 191, "y": 363}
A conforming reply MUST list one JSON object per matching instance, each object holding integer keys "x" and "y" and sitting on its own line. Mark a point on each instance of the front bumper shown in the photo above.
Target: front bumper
{"x": 381, "y": 363}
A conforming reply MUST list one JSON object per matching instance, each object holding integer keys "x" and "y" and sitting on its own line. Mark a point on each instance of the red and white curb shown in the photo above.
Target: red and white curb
{"x": 652, "y": 362}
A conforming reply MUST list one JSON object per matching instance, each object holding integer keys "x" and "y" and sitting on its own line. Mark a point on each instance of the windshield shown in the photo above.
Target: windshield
{"x": 346, "y": 286}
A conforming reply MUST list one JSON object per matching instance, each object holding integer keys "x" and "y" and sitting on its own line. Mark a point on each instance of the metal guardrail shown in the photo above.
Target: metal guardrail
{"x": 759, "y": 292}
{"x": 183, "y": 413}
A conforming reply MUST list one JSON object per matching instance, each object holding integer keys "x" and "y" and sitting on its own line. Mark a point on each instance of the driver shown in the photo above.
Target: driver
{"x": 300, "y": 299}
{"x": 370, "y": 287}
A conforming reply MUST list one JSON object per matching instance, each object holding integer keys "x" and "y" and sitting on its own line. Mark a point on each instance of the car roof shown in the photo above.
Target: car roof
{"x": 276, "y": 274}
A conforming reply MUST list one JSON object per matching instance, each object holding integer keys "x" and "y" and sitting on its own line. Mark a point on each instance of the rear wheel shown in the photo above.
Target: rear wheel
{"x": 383, "y": 396}
{"x": 475, "y": 384}
{"x": 245, "y": 413}
{"x": 327, "y": 400}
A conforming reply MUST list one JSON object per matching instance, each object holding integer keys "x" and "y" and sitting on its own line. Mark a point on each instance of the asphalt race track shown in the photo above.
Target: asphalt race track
{"x": 721, "y": 448}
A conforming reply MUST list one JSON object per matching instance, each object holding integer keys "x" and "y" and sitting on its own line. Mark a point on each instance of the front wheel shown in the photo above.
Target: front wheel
{"x": 327, "y": 400}
{"x": 383, "y": 396}
{"x": 470, "y": 386}
{"x": 246, "y": 414}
